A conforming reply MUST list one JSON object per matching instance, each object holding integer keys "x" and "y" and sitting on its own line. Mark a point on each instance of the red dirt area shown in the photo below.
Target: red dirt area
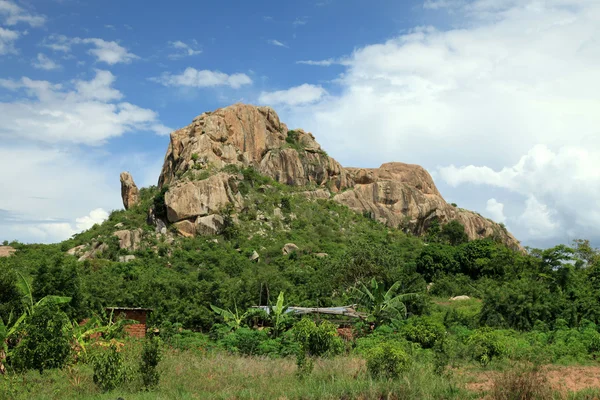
{"x": 562, "y": 379}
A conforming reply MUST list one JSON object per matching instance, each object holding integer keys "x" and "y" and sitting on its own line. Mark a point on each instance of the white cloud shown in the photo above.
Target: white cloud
{"x": 108, "y": 52}
{"x": 7, "y": 40}
{"x": 203, "y": 78}
{"x": 300, "y": 21}
{"x": 516, "y": 74}
{"x": 495, "y": 210}
{"x": 566, "y": 182}
{"x": 325, "y": 63}
{"x": 49, "y": 191}
{"x": 438, "y": 4}
{"x": 84, "y": 114}
{"x": 58, "y": 43}
{"x": 43, "y": 62}
{"x": 303, "y": 94}
{"x": 13, "y": 14}
{"x": 537, "y": 218}
{"x": 276, "y": 43}
{"x": 183, "y": 49}
{"x": 57, "y": 231}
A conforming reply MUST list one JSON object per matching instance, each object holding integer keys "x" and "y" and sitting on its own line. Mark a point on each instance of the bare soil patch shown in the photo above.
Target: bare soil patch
{"x": 562, "y": 379}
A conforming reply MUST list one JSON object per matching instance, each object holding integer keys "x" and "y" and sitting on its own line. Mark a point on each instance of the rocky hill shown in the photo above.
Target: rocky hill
{"x": 200, "y": 177}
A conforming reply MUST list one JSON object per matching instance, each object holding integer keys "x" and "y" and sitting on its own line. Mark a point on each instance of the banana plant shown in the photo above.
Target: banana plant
{"x": 382, "y": 305}
{"x": 278, "y": 314}
{"x": 30, "y": 305}
{"x": 232, "y": 319}
{"x": 7, "y": 329}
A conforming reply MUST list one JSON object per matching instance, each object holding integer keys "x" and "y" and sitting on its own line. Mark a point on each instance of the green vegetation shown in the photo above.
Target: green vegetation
{"x": 536, "y": 308}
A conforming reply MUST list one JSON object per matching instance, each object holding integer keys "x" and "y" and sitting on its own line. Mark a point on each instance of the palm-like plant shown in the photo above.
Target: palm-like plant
{"x": 232, "y": 319}
{"x": 382, "y": 305}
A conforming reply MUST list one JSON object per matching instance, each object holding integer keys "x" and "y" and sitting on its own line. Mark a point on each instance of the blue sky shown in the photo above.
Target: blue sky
{"x": 496, "y": 98}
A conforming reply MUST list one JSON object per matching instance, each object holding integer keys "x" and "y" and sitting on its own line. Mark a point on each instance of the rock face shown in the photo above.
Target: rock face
{"x": 7, "y": 251}
{"x": 190, "y": 199}
{"x": 201, "y": 164}
{"x": 245, "y": 135}
{"x": 129, "y": 191}
{"x": 404, "y": 196}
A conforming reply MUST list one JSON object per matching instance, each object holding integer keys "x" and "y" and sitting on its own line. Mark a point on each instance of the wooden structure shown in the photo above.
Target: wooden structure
{"x": 139, "y": 315}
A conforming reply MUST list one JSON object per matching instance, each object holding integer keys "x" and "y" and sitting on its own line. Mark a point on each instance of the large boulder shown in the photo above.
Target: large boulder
{"x": 289, "y": 248}
{"x": 209, "y": 224}
{"x": 129, "y": 191}
{"x": 190, "y": 199}
{"x": 129, "y": 239}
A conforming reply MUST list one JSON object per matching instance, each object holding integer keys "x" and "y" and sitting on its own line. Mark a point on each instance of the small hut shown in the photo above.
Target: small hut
{"x": 139, "y": 315}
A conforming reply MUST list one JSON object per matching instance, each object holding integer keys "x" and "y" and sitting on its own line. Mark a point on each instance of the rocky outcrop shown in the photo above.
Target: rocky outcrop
{"x": 245, "y": 135}
{"x": 129, "y": 191}
{"x": 404, "y": 196}
{"x": 129, "y": 239}
{"x": 87, "y": 252}
{"x": 199, "y": 186}
{"x": 7, "y": 251}
{"x": 191, "y": 199}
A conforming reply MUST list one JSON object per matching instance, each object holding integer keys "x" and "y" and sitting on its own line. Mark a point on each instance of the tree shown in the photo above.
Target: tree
{"x": 436, "y": 258}
{"x": 454, "y": 233}
{"x": 60, "y": 278}
{"x": 10, "y": 295}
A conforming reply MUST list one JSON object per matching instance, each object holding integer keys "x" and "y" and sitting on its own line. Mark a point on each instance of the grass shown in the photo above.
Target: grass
{"x": 194, "y": 374}
{"x": 190, "y": 375}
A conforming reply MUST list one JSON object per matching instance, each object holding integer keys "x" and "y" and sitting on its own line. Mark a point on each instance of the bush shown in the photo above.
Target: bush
{"x": 44, "y": 340}
{"x": 485, "y": 345}
{"x": 150, "y": 358}
{"x": 424, "y": 331}
{"x": 315, "y": 341}
{"x": 245, "y": 341}
{"x": 160, "y": 208}
{"x": 109, "y": 370}
{"x": 387, "y": 361}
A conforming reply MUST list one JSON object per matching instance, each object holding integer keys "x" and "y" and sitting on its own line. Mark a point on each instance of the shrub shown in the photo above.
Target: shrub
{"x": 485, "y": 345}
{"x": 109, "y": 370}
{"x": 160, "y": 208}
{"x": 44, "y": 340}
{"x": 245, "y": 341}
{"x": 424, "y": 331}
{"x": 150, "y": 358}
{"x": 315, "y": 341}
{"x": 387, "y": 361}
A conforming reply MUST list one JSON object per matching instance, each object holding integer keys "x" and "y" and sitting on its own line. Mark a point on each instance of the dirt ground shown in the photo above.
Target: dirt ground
{"x": 563, "y": 379}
